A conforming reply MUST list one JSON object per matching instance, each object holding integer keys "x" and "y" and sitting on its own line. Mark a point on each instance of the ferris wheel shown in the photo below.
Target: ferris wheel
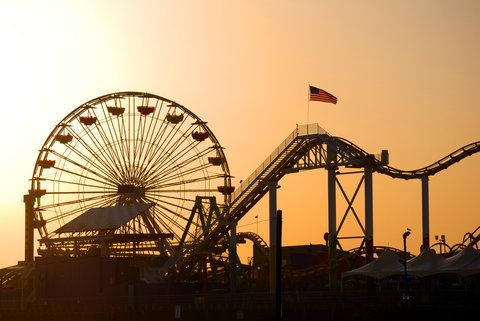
{"x": 122, "y": 173}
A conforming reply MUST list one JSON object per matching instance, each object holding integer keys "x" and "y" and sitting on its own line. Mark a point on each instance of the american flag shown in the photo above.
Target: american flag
{"x": 317, "y": 94}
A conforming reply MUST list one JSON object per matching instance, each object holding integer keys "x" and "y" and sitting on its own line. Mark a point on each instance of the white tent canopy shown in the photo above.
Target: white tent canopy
{"x": 426, "y": 263}
{"x": 387, "y": 264}
{"x": 466, "y": 262}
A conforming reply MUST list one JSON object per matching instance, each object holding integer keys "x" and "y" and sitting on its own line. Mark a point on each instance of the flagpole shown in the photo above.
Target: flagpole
{"x": 308, "y": 104}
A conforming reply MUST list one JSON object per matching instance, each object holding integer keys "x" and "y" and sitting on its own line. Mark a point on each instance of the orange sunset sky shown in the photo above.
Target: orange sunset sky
{"x": 406, "y": 74}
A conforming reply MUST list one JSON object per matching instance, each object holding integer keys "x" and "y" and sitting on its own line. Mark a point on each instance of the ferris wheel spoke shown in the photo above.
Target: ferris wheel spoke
{"x": 107, "y": 169}
{"x": 138, "y": 140}
{"x": 175, "y": 160}
{"x": 70, "y": 202}
{"x": 108, "y": 139}
{"x": 110, "y": 152}
{"x": 124, "y": 143}
{"x": 167, "y": 221}
{"x": 157, "y": 187}
{"x": 138, "y": 148}
{"x": 164, "y": 150}
{"x": 162, "y": 225}
{"x": 173, "y": 198}
{"x": 126, "y": 140}
{"x": 147, "y": 137}
{"x": 178, "y": 176}
{"x": 150, "y": 223}
{"x": 104, "y": 174}
{"x": 115, "y": 134}
{"x": 95, "y": 153}
{"x": 165, "y": 208}
{"x": 166, "y": 154}
{"x": 150, "y": 152}
{"x": 92, "y": 202}
{"x": 133, "y": 130}
{"x": 155, "y": 225}
{"x": 174, "y": 166}
{"x": 82, "y": 192}
{"x": 187, "y": 190}
{"x": 107, "y": 181}
{"x": 170, "y": 165}
{"x": 159, "y": 200}
{"x": 82, "y": 184}
{"x": 159, "y": 133}
{"x": 79, "y": 210}
{"x": 116, "y": 125}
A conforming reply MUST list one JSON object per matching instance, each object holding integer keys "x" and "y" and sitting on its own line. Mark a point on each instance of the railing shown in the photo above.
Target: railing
{"x": 301, "y": 130}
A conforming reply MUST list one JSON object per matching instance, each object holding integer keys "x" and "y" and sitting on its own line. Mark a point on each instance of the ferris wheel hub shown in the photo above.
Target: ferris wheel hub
{"x": 131, "y": 189}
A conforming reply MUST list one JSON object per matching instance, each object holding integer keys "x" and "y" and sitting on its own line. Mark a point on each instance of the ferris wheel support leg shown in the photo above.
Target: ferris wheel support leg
{"x": 425, "y": 214}
{"x": 272, "y": 193}
{"x": 368, "y": 214}
{"x": 29, "y": 216}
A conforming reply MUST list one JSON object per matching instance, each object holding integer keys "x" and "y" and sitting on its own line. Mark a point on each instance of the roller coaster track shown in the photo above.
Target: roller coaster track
{"x": 306, "y": 148}
{"x": 257, "y": 241}
{"x": 429, "y": 170}
{"x": 469, "y": 239}
{"x": 255, "y": 238}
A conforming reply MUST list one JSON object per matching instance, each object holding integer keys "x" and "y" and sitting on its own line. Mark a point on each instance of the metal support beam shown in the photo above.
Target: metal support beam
{"x": 233, "y": 256}
{"x": 272, "y": 192}
{"x": 332, "y": 227}
{"x": 332, "y": 216}
{"x": 368, "y": 214}
{"x": 425, "y": 214}
{"x": 278, "y": 264}
{"x": 29, "y": 217}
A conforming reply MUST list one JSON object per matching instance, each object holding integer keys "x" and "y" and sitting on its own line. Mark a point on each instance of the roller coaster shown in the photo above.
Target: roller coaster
{"x": 311, "y": 147}
{"x": 131, "y": 173}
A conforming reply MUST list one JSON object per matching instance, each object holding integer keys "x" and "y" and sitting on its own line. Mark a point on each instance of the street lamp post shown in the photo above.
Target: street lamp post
{"x": 405, "y": 235}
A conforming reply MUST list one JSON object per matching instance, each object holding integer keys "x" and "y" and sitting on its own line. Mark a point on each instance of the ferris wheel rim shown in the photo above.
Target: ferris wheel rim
{"x": 132, "y": 93}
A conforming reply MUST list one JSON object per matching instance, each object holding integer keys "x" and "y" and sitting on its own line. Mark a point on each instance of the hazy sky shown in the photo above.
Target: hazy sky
{"x": 406, "y": 74}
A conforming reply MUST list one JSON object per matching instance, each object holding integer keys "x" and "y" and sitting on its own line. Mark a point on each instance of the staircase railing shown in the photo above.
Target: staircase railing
{"x": 301, "y": 130}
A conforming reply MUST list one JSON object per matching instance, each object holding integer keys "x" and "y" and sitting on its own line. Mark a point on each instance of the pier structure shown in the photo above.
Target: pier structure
{"x": 160, "y": 166}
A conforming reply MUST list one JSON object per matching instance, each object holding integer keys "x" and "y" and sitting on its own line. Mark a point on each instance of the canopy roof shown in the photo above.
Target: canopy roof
{"x": 425, "y": 263}
{"x": 466, "y": 262}
{"x": 388, "y": 263}
{"x": 104, "y": 218}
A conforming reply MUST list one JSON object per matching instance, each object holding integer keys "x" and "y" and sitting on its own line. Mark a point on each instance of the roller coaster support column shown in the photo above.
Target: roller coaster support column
{"x": 332, "y": 216}
{"x": 368, "y": 214}
{"x": 28, "y": 200}
{"x": 278, "y": 265}
{"x": 233, "y": 257}
{"x": 272, "y": 192}
{"x": 425, "y": 214}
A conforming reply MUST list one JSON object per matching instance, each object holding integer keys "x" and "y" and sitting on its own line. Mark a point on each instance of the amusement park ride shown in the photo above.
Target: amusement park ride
{"x": 134, "y": 174}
